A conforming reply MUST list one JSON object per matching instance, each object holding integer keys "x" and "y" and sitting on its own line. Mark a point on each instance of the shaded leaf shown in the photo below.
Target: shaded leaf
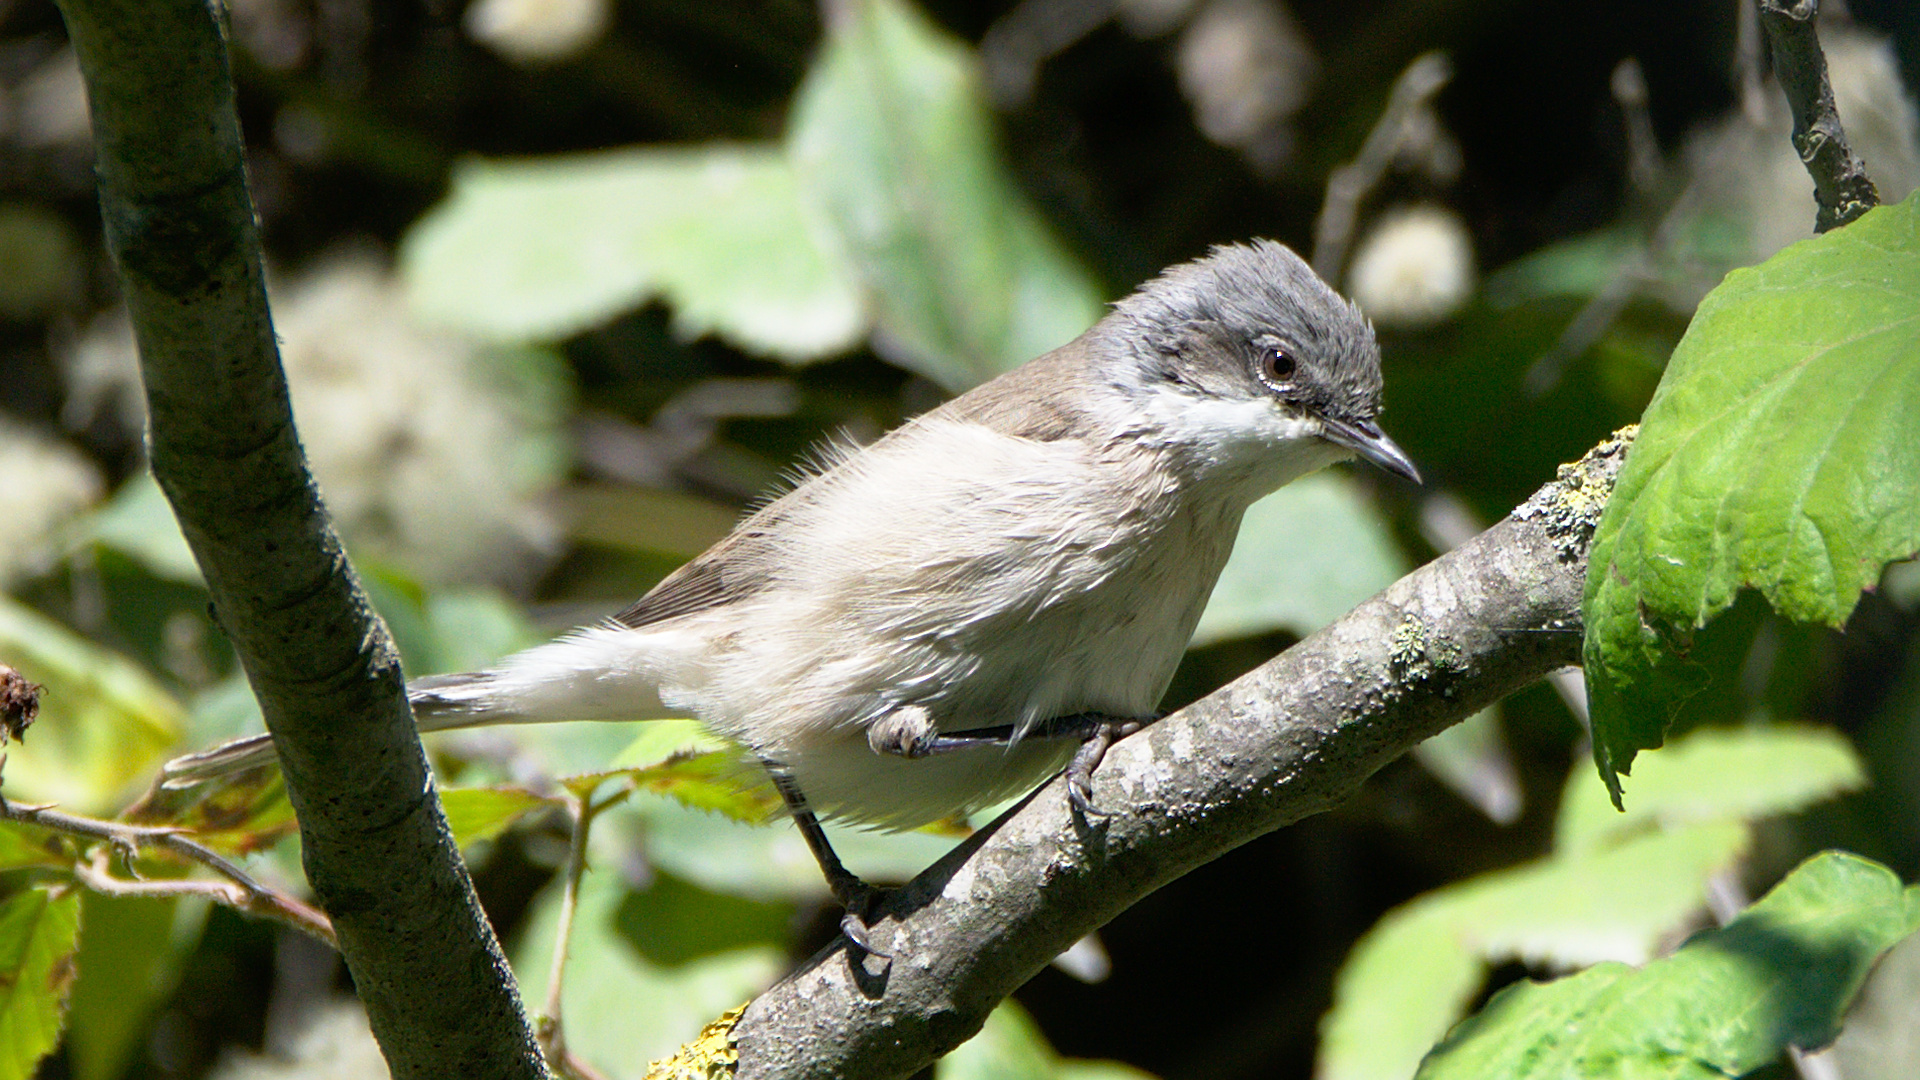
{"x": 1781, "y": 453}
{"x": 894, "y": 146}
{"x": 543, "y": 249}
{"x": 1306, "y": 555}
{"x": 39, "y": 930}
{"x": 1727, "y": 1003}
{"x": 1881, "y": 1040}
{"x": 1714, "y": 774}
{"x": 129, "y": 961}
{"x": 139, "y": 523}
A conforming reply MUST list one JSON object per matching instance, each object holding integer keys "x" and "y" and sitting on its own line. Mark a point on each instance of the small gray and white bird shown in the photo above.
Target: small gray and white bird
{"x": 941, "y": 619}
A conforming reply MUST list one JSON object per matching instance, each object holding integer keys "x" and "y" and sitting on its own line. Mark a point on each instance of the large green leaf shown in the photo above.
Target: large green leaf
{"x": 1781, "y": 453}
{"x": 539, "y": 250}
{"x": 39, "y": 929}
{"x": 893, "y": 143}
{"x": 1728, "y": 1003}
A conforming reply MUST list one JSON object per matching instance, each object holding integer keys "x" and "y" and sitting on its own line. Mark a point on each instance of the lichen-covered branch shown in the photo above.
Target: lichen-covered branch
{"x": 1292, "y": 738}
{"x": 180, "y": 224}
{"x": 1840, "y": 182}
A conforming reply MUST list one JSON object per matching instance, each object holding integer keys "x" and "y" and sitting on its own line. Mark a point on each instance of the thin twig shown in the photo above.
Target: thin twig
{"x": 239, "y": 891}
{"x": 1840, "y": 182}
{"x": 1349, "y": 184}
{"x": 549, "y": 1030}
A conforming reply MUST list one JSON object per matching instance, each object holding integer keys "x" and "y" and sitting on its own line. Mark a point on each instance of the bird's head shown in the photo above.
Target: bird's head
{"x": 1247, "y": 356}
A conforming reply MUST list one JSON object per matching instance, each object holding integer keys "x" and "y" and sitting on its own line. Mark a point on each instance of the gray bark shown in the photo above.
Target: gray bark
{"x": 180, "y": 224}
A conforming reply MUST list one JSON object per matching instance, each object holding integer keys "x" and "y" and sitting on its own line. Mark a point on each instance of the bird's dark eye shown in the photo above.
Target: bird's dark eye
{"x": 1276, "y": 364}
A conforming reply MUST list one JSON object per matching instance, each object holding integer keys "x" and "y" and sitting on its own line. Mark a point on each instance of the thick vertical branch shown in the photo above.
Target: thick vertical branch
{"x": 180, "y": 223}
{"x": 1840, "y": 182}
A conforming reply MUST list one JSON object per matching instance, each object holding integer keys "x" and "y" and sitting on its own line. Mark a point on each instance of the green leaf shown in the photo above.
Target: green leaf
{"x": 129, "y": 961}
{"x": 623, "y": 1009}
{"x": 1781, "y": 453}
{"x": 23, "y": 845}
{"x": 543, "y": 249}
{"x": 894, "y": 146}
{"x": 476, "y": 814}
{"x": 1726, "y": 1004}
{"x": 1406, "y": 982}
{"x": 1714, "y": 774}
{"x": 104, "y": 725}
{"x": 1010, "y": 1046}
{"x": 1881, "y": 1040}
{"x": 139, "y": 523}
{"x": 1306, "y": 555}
{"x": 1412, "y": 976}
{"x": 39, "y": 930}
{"x": 239, "y": 814}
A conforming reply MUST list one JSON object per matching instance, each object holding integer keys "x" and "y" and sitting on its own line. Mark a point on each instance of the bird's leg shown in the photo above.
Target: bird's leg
{"x": 910, "y": 732}
{"x": 854, "y": 895}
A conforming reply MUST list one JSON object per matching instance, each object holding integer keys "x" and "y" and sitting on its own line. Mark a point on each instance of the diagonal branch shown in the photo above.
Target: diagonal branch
{"x": 180, "y": 224}
{"x": 1292, "y": 738}
{"x": 1840, "y": 182}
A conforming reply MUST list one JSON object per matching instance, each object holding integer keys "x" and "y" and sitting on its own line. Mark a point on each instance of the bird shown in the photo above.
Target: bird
{"x": 990, "y": 593}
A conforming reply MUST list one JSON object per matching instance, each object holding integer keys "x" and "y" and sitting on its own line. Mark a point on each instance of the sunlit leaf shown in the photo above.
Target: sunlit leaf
{"x": 39, "y": 929}
{"x": 1781, "y": 453}
{"x": 543, "y": 249}
{"x": 1306, "y": 555}
{"x": 893, "y": 142}
{"x": 104, "y": 726}
{"x": 475, "y": 814}
{"x": 1405, "y": 983}
{"x": 238, "y": 814}
{"x": 624, "y": 1009}
{"x": 1728, "y": 1003}
{"x": 1714, "y": 774}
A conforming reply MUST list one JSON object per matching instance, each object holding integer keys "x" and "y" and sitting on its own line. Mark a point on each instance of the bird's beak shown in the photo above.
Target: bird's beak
{"x": 1365, "y": 438}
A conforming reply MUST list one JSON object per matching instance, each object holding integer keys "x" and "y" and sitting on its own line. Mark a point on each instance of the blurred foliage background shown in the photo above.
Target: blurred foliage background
{"x": 564, "y": 285}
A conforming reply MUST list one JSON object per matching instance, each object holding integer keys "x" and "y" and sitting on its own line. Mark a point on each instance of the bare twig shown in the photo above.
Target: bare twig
{"x": 1840, "y": 182}
{"x": 550, "y": 1029}
{"x": 239, "y": 891}
{"x": 1349, "y": 184}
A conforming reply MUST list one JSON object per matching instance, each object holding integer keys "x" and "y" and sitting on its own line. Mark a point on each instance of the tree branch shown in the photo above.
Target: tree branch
{"x": 1292, "y": 738}
{"x": 1840, "y": 182}
{"x": 180, "y": 224}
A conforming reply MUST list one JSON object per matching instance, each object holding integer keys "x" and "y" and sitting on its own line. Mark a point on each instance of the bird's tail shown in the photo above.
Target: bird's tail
{"x": 591, "y": 674}
{"x": 440, "y": 702}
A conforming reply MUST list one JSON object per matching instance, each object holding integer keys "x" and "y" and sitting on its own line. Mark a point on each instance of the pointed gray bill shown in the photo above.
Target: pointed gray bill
{"x": 1365, "y": 438}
